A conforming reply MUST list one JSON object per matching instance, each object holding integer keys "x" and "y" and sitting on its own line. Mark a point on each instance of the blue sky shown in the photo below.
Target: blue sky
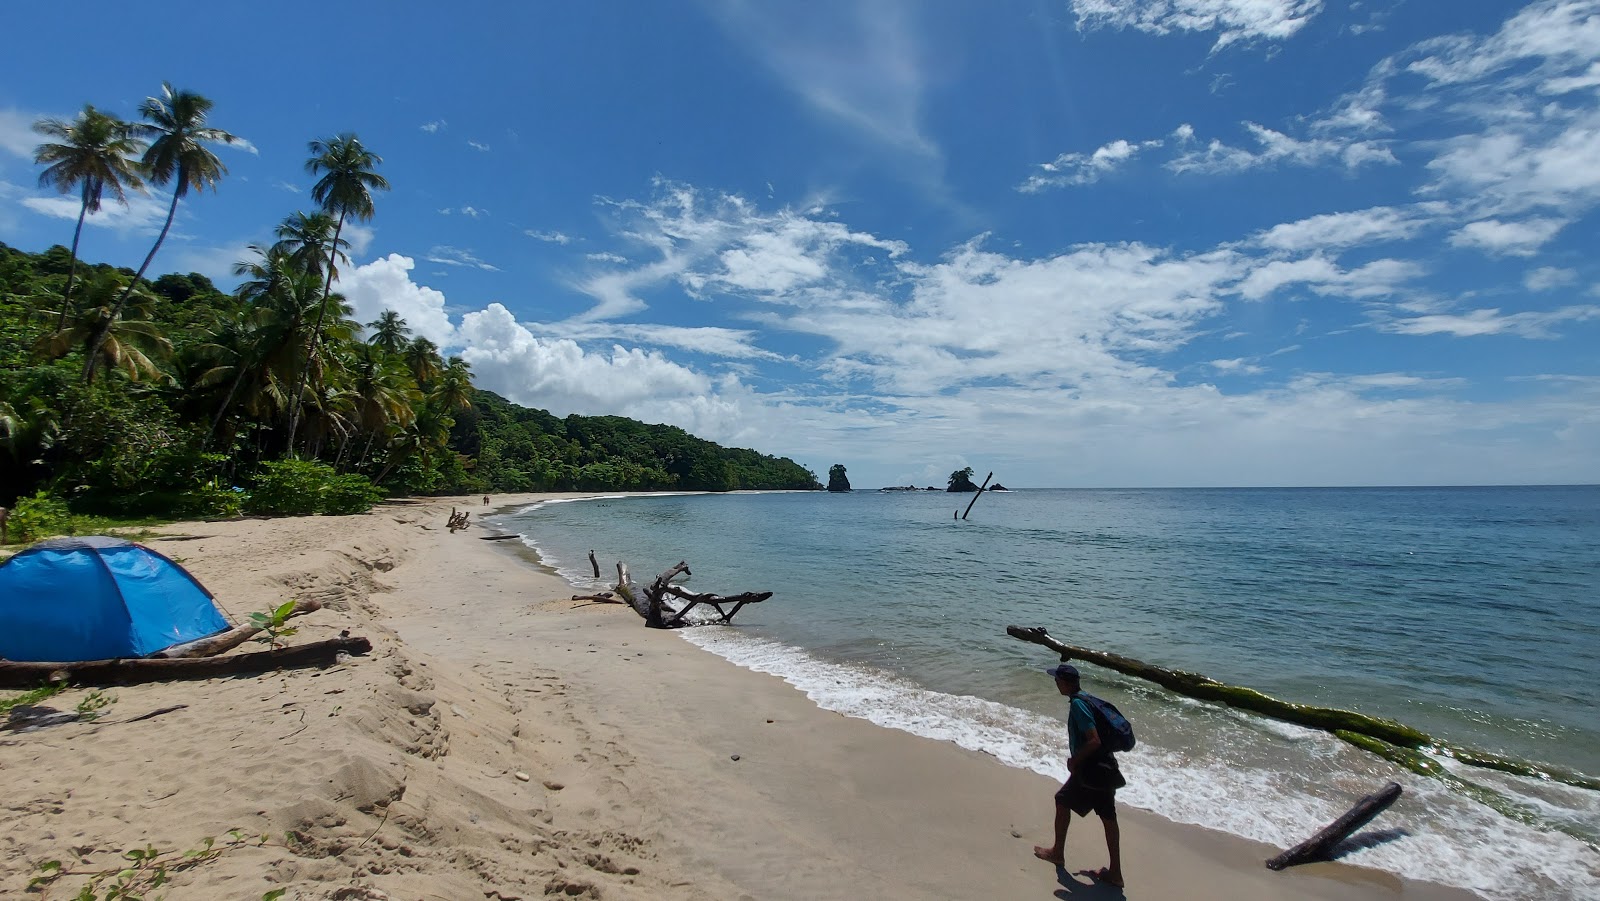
{"x": 1075, "y": 242}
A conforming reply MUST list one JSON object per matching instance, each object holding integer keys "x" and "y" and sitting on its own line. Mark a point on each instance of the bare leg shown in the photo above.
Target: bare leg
{"x": 1113, "y": 873}
{"x": 1057, "y": 853}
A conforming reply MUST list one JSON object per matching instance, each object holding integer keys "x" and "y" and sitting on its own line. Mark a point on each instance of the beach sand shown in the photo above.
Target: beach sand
{"x": 502, "y": 741}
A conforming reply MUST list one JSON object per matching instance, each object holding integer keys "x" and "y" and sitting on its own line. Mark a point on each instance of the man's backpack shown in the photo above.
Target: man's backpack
{"x": 1116, "y": 733}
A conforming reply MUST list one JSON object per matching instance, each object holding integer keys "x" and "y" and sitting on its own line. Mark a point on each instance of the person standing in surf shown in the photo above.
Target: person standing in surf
{"x": 1092, "y": 784}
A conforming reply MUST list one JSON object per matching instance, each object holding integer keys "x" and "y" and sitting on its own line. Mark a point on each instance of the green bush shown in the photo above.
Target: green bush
{"x": 304, "y": 487}
{"x": 39, "y": 517}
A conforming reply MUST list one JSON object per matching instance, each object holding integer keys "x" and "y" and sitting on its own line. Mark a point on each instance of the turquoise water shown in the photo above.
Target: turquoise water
{"x": 1470, "y": 613}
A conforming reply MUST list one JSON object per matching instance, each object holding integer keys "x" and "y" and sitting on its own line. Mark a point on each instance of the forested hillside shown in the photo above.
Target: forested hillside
{"x": 188, "y": 411}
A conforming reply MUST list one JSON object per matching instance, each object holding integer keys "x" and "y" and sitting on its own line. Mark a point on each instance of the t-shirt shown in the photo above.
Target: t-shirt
{"x": 1080, "y": 724}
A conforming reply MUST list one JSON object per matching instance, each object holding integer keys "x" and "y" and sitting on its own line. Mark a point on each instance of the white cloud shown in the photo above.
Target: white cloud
{"x": 1493, "y": 322}
{"x": 473, "y": 212}
{"x": 1400, "y": 381}
{"x": 282, "y": 185}
{"x": 1520, "y": 239}
{"x": 1232, "y": 20}
{"x": 1238, "y": 366}
{"x": 478, "y": 146}
{"x": 431, "y": 127}
{"x": 606, "y": 257}
{"x": 863, "y": 68}
{"x": 142, "y": 214}
{"x": 215, "y": 263}
{"x": 1337, "y": 231}
{"x": 559, "y": 375}
{"x": 360, "y": 237}
{"x": 1547, "y": 278}
{"x": 1325, "y": 277}
{"x": 456, "y": 256}
{"x": 1276, "y": 147}
{"x": 245, "y": 145}
{"x": 385, "y": 284}
{"x": 17, "y": 136}
{"x": 1082, "y": 169}
{"x": 553, "y": 237}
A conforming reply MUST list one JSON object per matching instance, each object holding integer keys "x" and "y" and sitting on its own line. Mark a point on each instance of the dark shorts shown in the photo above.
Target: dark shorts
{"x": 1080, "y": 799}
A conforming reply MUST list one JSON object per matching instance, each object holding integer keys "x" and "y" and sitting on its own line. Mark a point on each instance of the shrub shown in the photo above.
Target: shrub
{"x": 304, "y": 487}
{"x": 39, "y": 517}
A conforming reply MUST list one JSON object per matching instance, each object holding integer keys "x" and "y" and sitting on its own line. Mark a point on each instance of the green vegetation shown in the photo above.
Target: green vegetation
{"x": 273, "y": 624}
{"x": 837, "y": 480}
{"x": 961, "y": 480}
{"x": 146, "y": 869}
{"x": 267, "y": 399}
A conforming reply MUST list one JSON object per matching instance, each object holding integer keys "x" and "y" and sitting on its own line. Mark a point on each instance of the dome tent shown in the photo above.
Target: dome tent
{"x": 70, "y": 599}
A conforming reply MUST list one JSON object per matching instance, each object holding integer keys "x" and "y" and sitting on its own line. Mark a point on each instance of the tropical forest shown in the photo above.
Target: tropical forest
{"x": 127, "y": 394}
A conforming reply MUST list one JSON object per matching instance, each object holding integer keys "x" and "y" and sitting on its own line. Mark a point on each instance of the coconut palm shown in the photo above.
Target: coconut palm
{"x": 105, "y": 328}
{"x": 345, "y": 188}
{"x": 422, "y": 356}
{"x": 389, "y": 333}
{"x": 306, "y": 239}
{"x": 453, "y": 390}
{"x": 96, "y": 153}
{"x": 175, "y": 123}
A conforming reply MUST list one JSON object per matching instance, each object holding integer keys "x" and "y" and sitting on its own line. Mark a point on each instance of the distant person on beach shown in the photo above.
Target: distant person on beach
{"x": 1092, "y": 784}
{"x": 486, "y": 500}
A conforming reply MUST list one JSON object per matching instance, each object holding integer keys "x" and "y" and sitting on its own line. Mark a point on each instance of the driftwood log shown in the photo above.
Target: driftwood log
{"x": 659, "y": 613}
{"x": 1321, "y": 845}
{"x": 225, "y": 641}
{"x": 128, "y": 671}
{"x": 976, "y": 496}
{"x": 1396, "y": 741}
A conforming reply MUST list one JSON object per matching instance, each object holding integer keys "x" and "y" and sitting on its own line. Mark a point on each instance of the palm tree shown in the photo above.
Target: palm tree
{"x": 305, "y": 238}
{"x": 346, "y": 187}
{"x": 96, "y": 152}
{"x": 175, "y": 123}
{"x": 389, "y": 333}
{"x": 104, "y": 329}
{"x": 422, "y": 356}
{"x": 453, "y": 391}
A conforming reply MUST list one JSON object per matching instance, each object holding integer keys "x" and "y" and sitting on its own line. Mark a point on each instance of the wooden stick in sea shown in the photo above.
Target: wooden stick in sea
{"x": 594, "y": 563}
{"x": 975, "y": 496}
{"x": 1318, "y": 846}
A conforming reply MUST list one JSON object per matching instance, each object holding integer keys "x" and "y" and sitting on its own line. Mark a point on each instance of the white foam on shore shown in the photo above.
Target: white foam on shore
{"x": 1444, "y": 838}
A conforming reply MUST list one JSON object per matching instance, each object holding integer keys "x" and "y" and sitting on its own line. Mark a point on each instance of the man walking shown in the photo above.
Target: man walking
{"x": 1092, "y": 784}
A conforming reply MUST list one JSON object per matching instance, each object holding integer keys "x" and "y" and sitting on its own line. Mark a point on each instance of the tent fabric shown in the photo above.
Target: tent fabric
{"x": 95, "y": 598}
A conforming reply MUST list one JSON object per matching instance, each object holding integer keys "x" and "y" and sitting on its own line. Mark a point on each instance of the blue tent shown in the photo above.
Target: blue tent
{"x": 94, "y": 598}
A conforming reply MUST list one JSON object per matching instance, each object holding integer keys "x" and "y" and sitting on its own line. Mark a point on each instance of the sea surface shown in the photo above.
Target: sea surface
{"x": 1472, "y": 614}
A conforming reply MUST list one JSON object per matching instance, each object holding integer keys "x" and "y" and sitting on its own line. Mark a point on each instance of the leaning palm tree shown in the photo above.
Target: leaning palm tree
{"x": 176, "y": 124}
{"x": 123, "y": 337}
{"x": 346, "y": 187}
{"x": 96, "y": 152}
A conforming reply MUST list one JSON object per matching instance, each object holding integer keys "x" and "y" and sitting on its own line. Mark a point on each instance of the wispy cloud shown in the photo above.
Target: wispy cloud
{"x": 1499, "y": 238}
{"x": 17, "y": 136}
{"x": 606, "y": 257}
{"x": 1548, "y": 278}
{"x": 245, "y": 145}
{"x": 1231, "y": 20}
{"x": 1274, "y": 147}
{"x": 1477, "y": 323}
{"x": 141, "y": 214}
{"x": 286, "y": 186}
{"x": 456, "y": 256}
{"x": 552, "y": 237}
{"x": 432, "y": 127}
{"x": 1081, "y": 168}
{"x": 478, "y": 146}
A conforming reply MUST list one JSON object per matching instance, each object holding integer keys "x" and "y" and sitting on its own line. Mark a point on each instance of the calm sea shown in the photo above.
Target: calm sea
{"x": 1470, "y": 613}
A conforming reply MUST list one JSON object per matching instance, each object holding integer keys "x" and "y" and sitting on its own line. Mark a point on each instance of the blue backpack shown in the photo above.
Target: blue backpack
{"x": 1116, "y": 733}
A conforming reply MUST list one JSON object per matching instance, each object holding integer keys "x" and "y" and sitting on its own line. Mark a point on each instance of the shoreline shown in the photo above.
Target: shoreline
{"x": 401, "y": 773}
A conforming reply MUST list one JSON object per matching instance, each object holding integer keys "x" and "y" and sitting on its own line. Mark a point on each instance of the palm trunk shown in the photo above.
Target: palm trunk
{"x": 72, "y": 264}
{"x": 116, "y": 309}
{"x": 217, "y": 420}
{"x": 316, "y": 334}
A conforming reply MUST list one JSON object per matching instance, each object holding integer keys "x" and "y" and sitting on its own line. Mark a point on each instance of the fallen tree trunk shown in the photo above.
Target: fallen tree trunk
{"x": 128, "y": 671}
{"x": 225, "y": 641}
{"x": 652, "y": 604}
{"x": 1319, "y": 846}
{"x": 1358, "y": 729}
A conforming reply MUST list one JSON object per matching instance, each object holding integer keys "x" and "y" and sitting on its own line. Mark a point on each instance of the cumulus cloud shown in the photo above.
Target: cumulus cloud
{"x": 385, "y": 284}
{"x": 1231, "y": 20}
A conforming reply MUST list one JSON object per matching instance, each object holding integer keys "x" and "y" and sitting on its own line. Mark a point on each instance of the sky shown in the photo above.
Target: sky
{"x": 1077, "y": 243}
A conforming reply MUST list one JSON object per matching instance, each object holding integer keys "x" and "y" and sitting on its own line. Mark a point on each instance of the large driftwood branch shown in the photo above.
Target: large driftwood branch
{"x": 715, "y": 600}
{"x": 652, "y": 603}
{"x": 213, "y": 645}
{"x": 1393, "y": 740}
{"x": 1320, "y": 846}
{"x": 655, "y": 595}
{"x": 978, "y": 495}
{"x": 129, "y": 671}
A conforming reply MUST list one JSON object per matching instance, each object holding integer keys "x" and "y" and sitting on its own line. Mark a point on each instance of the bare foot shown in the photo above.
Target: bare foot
{"x": 1105, "y": 875}
{"x": 1050, "y": 854}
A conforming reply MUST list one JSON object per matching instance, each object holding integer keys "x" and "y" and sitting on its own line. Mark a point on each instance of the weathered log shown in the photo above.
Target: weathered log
{"x": 1319, "y": 846}
{"x": 976, "y": 496}
{"x": 657, "y": 590}
{"x": 496, "y": 537}
{"x": 225, "y": 641}
{"x": 1346, "y": 724}
{"x": 128, "y": 671}
{"x": 658, "y": 613}
{"x": 695, "y": 598}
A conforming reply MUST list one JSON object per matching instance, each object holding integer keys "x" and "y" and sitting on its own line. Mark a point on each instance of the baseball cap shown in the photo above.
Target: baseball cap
{"x": 1064, "y": 671}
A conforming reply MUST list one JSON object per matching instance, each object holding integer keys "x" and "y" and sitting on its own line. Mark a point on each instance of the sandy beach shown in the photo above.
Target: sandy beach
{"x": 502, "y": 741}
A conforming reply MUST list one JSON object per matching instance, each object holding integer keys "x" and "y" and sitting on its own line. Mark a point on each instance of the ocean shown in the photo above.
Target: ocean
{"x": 1472, "y": 614}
